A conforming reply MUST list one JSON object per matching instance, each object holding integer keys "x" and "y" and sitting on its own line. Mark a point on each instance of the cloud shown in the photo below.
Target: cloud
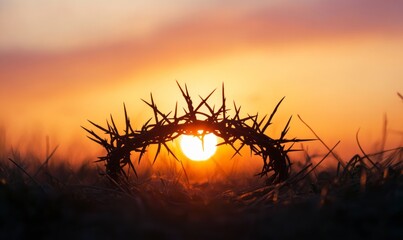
{"x": 60, "y": 79}
{"x": 204, "y": 35}
{"x": 54, "y": 25}
{"x": 50, "y": 25}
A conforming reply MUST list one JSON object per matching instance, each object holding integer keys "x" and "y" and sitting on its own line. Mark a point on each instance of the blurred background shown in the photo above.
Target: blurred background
{"x": 339, "y": 64}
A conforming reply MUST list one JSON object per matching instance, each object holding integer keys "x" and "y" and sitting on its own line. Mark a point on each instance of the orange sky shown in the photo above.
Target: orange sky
{"x": 337, "y": 62}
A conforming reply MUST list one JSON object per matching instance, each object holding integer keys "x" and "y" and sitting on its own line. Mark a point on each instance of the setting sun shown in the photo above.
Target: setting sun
{"x": 196, "y": 149}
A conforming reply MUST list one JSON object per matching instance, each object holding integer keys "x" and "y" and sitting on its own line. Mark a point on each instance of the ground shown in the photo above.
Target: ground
{"x": 60, "y": 203}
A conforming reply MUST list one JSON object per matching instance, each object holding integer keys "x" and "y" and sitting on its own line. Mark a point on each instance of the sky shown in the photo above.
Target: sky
{"x": 338, "y": 63}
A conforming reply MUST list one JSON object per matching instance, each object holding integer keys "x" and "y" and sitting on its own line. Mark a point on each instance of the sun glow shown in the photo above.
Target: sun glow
{"x": 196, "y": 149}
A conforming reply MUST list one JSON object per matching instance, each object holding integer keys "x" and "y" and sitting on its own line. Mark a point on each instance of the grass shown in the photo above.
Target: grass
{"x": 361, "y": 198}
{"x": 54, "y": 201}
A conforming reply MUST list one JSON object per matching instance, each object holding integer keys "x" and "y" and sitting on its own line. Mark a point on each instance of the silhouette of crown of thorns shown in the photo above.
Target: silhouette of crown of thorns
{"x": 246, "y": 131}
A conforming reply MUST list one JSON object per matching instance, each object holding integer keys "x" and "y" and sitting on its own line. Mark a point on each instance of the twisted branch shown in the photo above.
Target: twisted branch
{"x": 248, "y": 131}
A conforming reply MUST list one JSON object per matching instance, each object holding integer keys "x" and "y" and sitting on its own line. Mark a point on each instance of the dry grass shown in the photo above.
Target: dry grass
{"x": 48, "y": 199}
{"x": 53, "y": 201}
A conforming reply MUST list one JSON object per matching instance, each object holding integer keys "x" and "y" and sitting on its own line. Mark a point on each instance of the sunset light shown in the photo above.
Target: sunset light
{"x": 199, "y": 148}
{"x": 201, "y": 119}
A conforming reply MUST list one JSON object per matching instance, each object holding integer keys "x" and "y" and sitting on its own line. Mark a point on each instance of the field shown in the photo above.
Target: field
{"x": 256, "y": 170}
{"x": 361, "y": 198}
{"x": 51, "y": 200}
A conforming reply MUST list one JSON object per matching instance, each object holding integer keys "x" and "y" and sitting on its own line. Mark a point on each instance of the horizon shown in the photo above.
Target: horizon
{"x": 337, "y": 64}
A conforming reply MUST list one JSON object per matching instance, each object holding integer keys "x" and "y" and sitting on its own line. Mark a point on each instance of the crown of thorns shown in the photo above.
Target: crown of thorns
{"x": 245, "y": 131}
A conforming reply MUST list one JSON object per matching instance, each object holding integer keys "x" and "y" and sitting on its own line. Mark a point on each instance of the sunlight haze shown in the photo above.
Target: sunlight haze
{"x": 338, "y": 63}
